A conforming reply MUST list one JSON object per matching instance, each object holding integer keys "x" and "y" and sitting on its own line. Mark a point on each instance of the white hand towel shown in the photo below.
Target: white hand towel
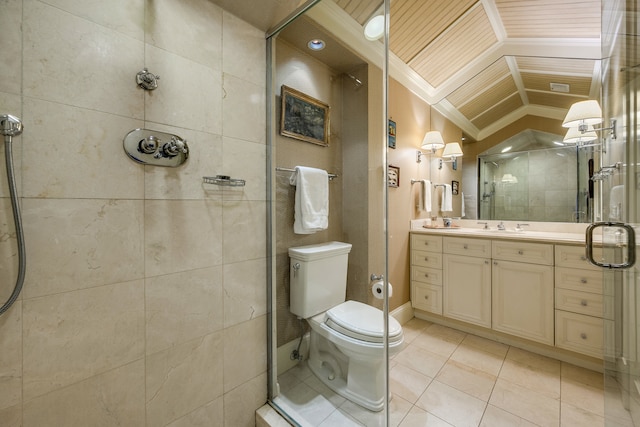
{"x": 447, "y": 199}
{"x": 311, "y": 210}
{"x": 462, "y": 212}
{"x": 425, "y": 196}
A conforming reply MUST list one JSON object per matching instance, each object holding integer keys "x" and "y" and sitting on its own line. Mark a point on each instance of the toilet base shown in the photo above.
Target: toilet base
{"x": 358, "y": 380}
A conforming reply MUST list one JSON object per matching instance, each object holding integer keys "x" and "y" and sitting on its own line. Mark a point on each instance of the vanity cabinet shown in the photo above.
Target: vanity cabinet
{"x": 467, "y": 275}
{"x": 426, "y": 273}
{"x": 581, "y": 304}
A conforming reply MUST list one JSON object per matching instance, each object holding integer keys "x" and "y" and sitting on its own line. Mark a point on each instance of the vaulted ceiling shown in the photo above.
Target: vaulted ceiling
{"x": 487, "y": 63}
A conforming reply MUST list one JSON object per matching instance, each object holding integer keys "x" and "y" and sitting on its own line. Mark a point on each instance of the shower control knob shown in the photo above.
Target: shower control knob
{"x": 175, "y": 147}
{"x": 149, "y": 145}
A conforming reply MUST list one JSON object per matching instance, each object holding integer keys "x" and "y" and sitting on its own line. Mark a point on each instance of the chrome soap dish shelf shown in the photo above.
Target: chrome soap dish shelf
{"x": 223, "y": 180}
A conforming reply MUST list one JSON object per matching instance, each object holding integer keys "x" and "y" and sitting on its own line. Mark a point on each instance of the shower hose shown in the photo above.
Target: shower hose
{"x": 17, "y": 220}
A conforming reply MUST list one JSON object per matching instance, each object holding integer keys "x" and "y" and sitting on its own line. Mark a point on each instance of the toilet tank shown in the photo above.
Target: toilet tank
{"x": 318, "y": 277}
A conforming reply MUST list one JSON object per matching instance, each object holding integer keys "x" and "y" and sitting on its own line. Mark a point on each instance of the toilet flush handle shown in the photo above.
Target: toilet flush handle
{"x": 295, "y": 267}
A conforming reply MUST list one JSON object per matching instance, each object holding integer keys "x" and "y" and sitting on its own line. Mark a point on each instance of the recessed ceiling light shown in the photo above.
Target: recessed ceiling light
{"x": 316, "y": 44}
{"x": 559, "y": 87}
{"x": 374, "y": 29}
{"x": 504, "y": 150}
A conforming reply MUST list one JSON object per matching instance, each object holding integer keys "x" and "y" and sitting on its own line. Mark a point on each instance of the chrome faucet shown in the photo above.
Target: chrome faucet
{"x": 501, "y": 226}
{"x": 519, "y": 227}
{"x": 486, "y": 225}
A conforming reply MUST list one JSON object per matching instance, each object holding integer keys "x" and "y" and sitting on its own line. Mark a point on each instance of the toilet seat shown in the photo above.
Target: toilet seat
{"x": 362, "y": 322}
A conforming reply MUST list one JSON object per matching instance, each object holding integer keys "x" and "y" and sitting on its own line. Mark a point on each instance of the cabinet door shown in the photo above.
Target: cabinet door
{"x": 467, "y": 289}
{"x": 522, "y": 297}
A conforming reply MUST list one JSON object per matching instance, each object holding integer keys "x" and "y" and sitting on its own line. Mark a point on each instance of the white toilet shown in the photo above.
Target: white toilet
{"x": 346, "y": 349}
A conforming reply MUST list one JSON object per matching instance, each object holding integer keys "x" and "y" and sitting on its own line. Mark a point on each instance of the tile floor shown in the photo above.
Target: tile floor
{"x": 444, "y": 377}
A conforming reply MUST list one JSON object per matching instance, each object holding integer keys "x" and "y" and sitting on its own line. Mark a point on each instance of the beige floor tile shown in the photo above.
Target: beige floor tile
{"x": 444, "y": 331}
{"x": 571, "y": 416}
{"x": 534, "y": 361}
{"x": 496, "y": 417}
{"x": 534, "y": 407}
{"x": 398, "y": 408}
{"x": 467, "y": 379}
{"x": 487, "y": 345}
{"x": 420, "y": 360}
{"x": 413, "y": 327}
{"x": 583, "y": 396}
{"x": 478, "y": 359}
{"x": 444, "y": 345}
{"x": 407, "y": 383}
{"x": 420, "y": 418}
{"x": 451, "y": 405}
{"x": 581, "y": 375}
{"x": 539, "y": 380}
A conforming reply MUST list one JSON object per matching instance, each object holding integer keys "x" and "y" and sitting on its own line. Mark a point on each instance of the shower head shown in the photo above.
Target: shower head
{"x": 356, "y": 80}
{"x": 10, "y": 125}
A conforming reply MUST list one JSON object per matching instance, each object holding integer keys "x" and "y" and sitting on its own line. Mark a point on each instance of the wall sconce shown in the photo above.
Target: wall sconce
{"x": 575, "y": 136}
{"x": 585, "y": 113}
{"x": 508, "y": 178}
{"x": 432, "y": 141}
{"x": 451, "y": 151}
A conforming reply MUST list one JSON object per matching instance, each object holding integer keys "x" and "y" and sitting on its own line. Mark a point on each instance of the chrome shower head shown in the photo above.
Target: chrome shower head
{"x": 10, "y": 125}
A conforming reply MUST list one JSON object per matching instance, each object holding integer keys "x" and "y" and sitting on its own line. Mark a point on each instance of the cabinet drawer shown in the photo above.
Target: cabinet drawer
{"x": 426, "y": 259}
{"x": 579, "y": 280}
{"x": 533, "y": 253}
{"x": 580, "y": 333}
{"x": 574, "y": 257}
{"x": 426, "y": 275}
{"x": 579, "y": 302}
{"x": 427, "y": 297}
{"x": 426, "y": 242}
{"x": 469, "y": 247}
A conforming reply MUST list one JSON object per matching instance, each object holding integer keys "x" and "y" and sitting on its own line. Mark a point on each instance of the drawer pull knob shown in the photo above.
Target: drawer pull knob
{"x": 426, "y": 275}
{"x": 583, "y": 258}
{"x": 426, "y": 297}
{"x": 466, "y": 247}
{"x": 426, "y": 258}
{"x": 520, "y": 252}
{"x": 486, "y": 262}
{"x": 426, "y": 243}
{"x": 583, "y": 303}
{"x": 583, "y": 336}
{"x": 583, "y": 280}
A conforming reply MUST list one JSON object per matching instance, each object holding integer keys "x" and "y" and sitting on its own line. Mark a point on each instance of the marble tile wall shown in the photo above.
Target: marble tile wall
{"x": 145, "y": 295}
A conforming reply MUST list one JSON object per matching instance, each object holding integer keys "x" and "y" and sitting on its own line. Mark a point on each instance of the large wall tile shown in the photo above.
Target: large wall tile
{"x": 185, "y": 181}
{"x": 182, "y": 235}
{"x": 245, "y": 291}
{"x": 11, "y": 356}
{"x": 73, "y": 61}
{"x": 189, "y": 28}
{"x": 11, "y": 46}
{"x": 243, "y": 50}
{"x": 252, "y": 394}
{"x": 124, "y": 16}
{"x": 74, "y": 244}
{"x": 8, "y": 252}
{"x": 11, "y": 417}
{"x": 183, "y": 306}
{"x": 82, "y": 333}
{"x": 245, "y": 231}
{"x": 77, "y": 153}
{"x": 183, "y": 378}
{"x": 245, "y": 160}
{"x": 115, "y": 398}
{"x": 189, "y": 94}
{"x": 209, "y": 415}
{"x": 245, "y": 352}
{"x": 11, "y": 104}
{"x": 243, "y": 112}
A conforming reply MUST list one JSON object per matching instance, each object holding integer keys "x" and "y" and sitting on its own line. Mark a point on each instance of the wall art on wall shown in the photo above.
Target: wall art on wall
{"x": 393, "y": 176}
{"x": 392, "y": 134}
{"x": 455, "y": 187}
{"x": 304, "y": 117}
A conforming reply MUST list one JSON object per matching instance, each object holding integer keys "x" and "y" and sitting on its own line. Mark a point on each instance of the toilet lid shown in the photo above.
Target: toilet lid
{"x": 362, "y": 321}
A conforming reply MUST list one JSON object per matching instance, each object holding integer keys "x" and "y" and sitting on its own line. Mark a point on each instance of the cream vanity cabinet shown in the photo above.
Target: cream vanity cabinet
{"x": 426, "y": 272}
{"x": 467, "y": 275}
{"x": 580, "y": 302}
{"x": 522, "y": 290}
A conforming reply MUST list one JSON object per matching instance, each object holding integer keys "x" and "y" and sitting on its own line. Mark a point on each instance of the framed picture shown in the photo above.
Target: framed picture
{"x": 393, "y": 176}
{"x": 455, "y": 185}
{"x": 392, "y": 134}
{"x": 303, "y": 117}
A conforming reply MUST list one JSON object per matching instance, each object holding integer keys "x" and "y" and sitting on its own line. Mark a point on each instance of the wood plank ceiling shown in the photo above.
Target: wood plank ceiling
{"x": 490, "y": 62}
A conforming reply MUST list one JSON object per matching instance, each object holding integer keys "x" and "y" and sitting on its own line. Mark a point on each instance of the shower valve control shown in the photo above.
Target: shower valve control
{"x": 149, "y": 147}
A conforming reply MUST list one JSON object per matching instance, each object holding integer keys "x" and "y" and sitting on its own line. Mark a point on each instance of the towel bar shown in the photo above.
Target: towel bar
{"x": 332, "y": 176}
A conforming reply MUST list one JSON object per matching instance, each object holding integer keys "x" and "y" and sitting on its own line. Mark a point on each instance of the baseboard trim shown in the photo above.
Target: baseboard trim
{"x": 404, "y": 313}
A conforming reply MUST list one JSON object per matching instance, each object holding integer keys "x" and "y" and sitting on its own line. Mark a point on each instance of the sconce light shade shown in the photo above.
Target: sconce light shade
{"x": 583, "y": 112}
{"x": 575, "y": 136}
{"x": 432, "y": 141}
{"x": 509, "y": 179}
{"x": 452, "y": 149}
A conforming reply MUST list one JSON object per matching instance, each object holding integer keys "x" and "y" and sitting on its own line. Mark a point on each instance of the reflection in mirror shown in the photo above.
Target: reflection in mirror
{"x": 534, "y": 177}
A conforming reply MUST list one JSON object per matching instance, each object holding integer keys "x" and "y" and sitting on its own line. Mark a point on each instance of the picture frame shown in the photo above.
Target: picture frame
{"x": 393, "y": 176}
{"x": 392, "y": 134}
{"x": 304, "y": 117}
{"x": 455, "y": 187}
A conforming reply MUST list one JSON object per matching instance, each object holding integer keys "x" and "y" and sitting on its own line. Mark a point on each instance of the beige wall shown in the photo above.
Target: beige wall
{"x": 413, "y": 118}
{"x": 145, "y": 296}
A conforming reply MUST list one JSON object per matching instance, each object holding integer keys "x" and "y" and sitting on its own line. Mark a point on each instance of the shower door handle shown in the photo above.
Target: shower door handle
{"x": 631, "y": 245}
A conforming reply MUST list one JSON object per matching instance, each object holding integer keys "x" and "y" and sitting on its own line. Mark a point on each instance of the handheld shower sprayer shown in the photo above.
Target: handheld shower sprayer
{"x": 11, "y": 126}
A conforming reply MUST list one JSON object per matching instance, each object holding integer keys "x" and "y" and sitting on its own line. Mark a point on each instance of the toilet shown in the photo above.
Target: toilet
{"x": 346, "y": 350}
